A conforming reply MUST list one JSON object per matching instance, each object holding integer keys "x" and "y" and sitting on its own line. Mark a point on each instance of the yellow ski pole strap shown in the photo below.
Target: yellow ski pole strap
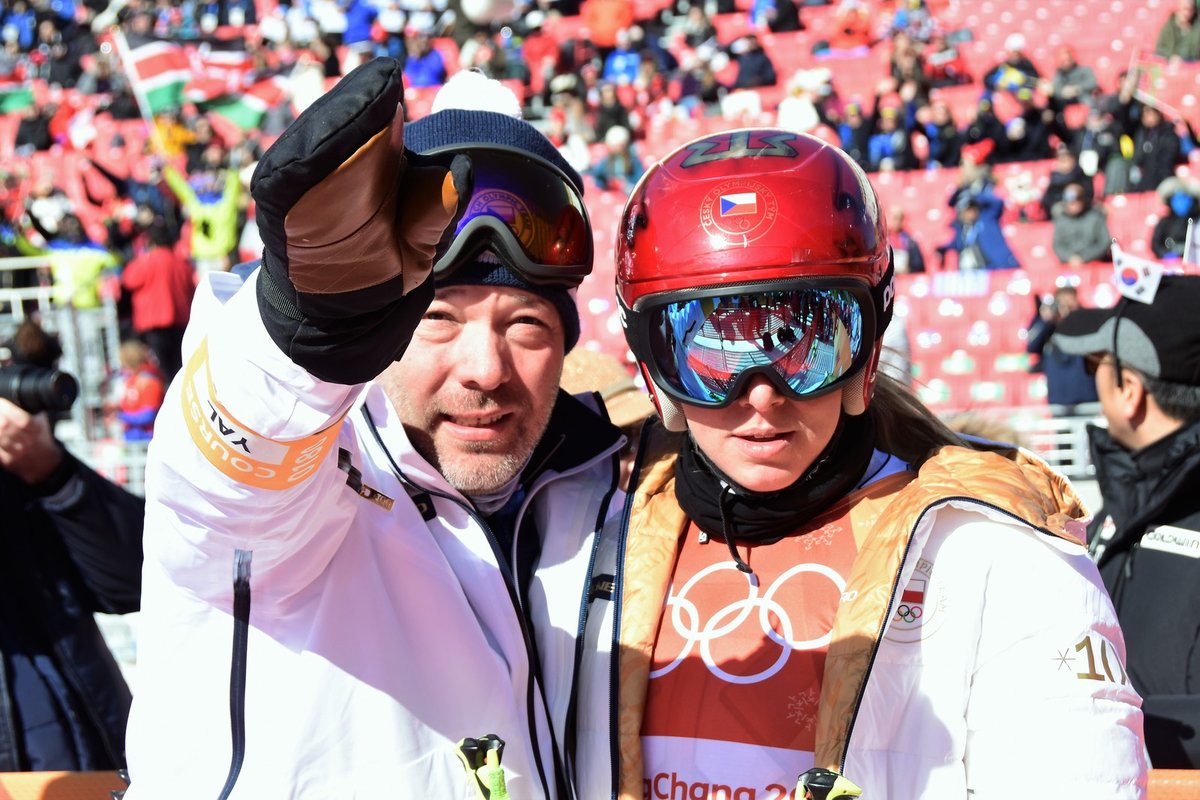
{"x": 481, "y": 759}
{"x": 824, "y": 784}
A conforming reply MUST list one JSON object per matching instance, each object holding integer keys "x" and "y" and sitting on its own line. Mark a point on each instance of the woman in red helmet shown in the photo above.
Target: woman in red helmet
{"x": 814, "y": 573}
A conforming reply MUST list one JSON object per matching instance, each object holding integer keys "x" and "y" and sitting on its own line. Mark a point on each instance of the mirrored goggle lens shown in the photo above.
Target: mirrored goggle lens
{"x": 809, "y": 339}
{"x": 529, "y": 211}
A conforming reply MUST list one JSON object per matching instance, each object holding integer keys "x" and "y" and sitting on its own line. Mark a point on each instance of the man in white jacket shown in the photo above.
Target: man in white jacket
{"x": 365, "y": 484}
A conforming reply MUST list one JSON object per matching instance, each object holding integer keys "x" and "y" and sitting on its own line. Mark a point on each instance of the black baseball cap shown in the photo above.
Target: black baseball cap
{"x": 1159, "y": 339}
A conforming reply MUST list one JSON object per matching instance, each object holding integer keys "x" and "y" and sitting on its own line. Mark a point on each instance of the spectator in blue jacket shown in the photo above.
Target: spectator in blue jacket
{"x": 978, "y": 238}
{"x": 620, "y": 167}
{"x": 23, "y": 22}
{"x": 360, "y": 16}
{"x": 621, "y": 65}
{"x": 1067, "y": 382}
{"x": 424, "y": 66}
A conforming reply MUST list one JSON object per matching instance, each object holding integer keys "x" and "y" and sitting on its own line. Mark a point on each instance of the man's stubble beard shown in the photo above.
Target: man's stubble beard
{"x": 492, "y": 469}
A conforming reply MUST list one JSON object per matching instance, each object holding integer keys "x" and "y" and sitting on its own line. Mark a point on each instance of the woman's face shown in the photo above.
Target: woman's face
{"x": 764, "y": 440}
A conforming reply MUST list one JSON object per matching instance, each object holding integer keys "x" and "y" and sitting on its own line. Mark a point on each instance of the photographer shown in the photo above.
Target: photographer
{"x": 71, "y": 547}
{"x": 1067, "y": 384}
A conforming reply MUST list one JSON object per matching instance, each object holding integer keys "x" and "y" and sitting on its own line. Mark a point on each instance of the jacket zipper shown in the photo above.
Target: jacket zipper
{"x": 237, "y": 668}
{"x": 585, "y": 608}
{"x": 1133, "y": 551}
{"x": 535, "y": 670}
{"x": 614, "y": 671}
{"x": 614, "y": 663}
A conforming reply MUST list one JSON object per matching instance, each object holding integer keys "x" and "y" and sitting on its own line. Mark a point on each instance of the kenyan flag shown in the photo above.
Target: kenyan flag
{"x": 160, "y": 71}
{"x": 246, "y": 109}
{"x": 15, "y": 97}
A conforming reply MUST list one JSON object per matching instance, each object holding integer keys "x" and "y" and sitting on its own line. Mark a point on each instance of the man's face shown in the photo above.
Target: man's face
{"x": 418, "y": 43}
{"x": 1066, "y": 302}
{"x": 1111, "y": 400}
{"x": 476, "y": 385}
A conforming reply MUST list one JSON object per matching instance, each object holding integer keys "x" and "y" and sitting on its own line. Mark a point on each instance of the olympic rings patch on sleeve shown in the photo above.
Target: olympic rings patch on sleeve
{"x": 238, "y": 452}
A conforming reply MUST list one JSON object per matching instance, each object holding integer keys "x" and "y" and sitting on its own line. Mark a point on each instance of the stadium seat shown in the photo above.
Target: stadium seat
{"x": 1032, "y": 243}
{"x": 563, "y": 29}
{"x": 449, "y": 50}
{"x": 418, "y": 100}
{"x": 731, "y": 26}
{"x": 1131, "y": 219}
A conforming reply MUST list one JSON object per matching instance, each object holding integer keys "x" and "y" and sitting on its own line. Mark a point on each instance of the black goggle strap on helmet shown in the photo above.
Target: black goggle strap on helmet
{"x": 525, "y": 211}
{"x": 884, "y": 295}
{"x": 856, "y": 396}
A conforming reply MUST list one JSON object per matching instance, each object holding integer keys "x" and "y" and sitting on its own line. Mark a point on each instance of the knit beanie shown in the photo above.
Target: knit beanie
{"x": 465, "y": 127}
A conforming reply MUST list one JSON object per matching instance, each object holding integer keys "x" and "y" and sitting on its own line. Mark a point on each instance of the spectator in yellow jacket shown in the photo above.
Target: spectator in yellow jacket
{"x": 77, "y": 264}
{"x": 209, "y": 197}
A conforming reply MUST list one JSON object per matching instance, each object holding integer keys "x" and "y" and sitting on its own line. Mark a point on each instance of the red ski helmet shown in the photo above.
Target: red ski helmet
{"x": 754, "y": 251}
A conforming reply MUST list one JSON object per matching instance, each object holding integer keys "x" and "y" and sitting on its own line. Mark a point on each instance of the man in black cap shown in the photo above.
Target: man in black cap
{"x": 1146, "y": 536}
{"x": 372, "y": 421}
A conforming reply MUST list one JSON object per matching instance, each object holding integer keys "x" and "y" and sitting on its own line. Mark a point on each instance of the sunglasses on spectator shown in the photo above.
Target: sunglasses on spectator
{"x": 1092, "y": 362}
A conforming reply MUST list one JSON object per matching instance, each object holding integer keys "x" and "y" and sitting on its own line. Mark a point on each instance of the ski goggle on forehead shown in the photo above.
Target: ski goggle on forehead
{"x": 523, "y": 209}
{"x": 703, "y": 348}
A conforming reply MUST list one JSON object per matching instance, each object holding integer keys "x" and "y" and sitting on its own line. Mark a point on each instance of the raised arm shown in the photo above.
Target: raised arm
{"x": 245, "y": 443}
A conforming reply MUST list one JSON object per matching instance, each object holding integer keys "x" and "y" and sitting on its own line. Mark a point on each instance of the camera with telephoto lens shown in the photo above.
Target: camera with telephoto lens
{"x": 38, "y": 389}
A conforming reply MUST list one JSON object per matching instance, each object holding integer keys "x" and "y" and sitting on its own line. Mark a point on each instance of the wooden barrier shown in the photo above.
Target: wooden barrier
{"x": 1174, "y": 784}
{"x": 59, "y": 785}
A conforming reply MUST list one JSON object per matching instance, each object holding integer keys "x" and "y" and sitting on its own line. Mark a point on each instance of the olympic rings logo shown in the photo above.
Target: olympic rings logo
{"x": 685, "y": 619}
{"x": 909, "y": 613}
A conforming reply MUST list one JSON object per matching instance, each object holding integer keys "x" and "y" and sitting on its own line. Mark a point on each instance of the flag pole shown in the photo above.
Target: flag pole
{"x": 1190, "y": 255}
{"x": 135, "y": 85}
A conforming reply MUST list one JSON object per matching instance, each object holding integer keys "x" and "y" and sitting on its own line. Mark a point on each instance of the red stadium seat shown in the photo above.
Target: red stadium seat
{"x": 562, "y": 28}
{"x": 731, "y": 26}
{"x": 8, "y": 135}
{"x": 449, "y": 50}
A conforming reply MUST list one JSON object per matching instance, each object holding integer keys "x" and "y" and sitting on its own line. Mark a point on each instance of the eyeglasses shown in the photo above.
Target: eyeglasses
{"x": 526, "y": 211}
{"x": 1092, "y": 362}
{"x": 705, "y": 346}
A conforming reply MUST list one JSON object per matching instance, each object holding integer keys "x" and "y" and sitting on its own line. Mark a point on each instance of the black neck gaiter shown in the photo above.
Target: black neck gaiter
{"x": 722, "y": 509}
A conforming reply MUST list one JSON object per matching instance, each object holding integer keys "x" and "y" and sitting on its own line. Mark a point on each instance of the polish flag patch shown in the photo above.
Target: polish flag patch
{"x": 734, "y": 205}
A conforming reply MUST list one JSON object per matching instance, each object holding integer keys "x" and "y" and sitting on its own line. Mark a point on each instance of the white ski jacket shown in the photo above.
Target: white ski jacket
{"x": 1003, "y": 678}
{"x": 383, "y": 628}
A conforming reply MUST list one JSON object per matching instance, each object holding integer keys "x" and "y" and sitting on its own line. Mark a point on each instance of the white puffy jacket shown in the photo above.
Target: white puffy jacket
{"x": 379, "y": 637}
{"x": 1010, "y": 684}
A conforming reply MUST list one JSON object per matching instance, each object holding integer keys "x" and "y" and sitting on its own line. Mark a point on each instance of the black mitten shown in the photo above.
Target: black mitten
{"x": 349, "y": 221}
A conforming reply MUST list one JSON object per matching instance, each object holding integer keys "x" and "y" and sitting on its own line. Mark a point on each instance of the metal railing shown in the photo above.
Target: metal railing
{"x": 1057, "y": 434}
{"x": 1060, "y": 440}
{"x": 90, "y": 339}
{"x": 123, "y": 463}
